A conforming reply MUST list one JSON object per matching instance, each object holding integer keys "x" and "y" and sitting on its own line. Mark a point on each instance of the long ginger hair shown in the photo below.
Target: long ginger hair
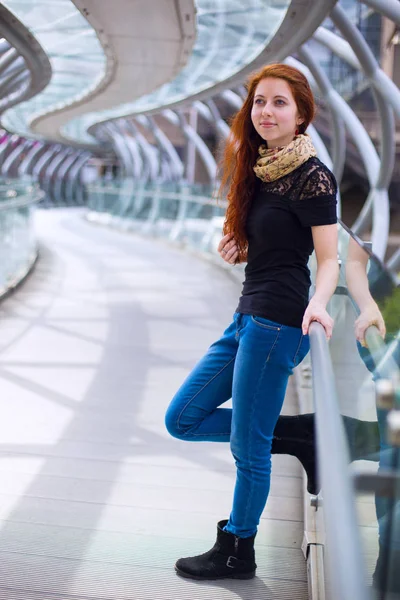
{"x": 241, "y": 150}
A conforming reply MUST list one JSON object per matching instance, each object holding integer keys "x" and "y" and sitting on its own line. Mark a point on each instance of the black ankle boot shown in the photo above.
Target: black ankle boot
{"x": 295, "y": 435}
{"x": 230, "y": 557}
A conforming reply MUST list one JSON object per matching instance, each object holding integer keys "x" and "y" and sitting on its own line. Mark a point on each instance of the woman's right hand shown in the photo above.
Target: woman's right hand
{"x": 228, "y": 249}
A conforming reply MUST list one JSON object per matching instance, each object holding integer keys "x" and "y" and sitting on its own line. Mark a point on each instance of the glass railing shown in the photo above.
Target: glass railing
{"x": 14, "y": 188}
{"x": 367, "y": 382}
{"x": 17, "y": 239}
{"x": 181, "y": 212}
{"x": 370, "y": 402}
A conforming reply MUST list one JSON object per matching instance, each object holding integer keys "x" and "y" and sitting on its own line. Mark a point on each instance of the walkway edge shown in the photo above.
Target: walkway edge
{"x": 20, "y": 277}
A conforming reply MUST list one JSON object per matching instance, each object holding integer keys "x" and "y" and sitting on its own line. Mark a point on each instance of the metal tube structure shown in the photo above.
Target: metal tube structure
{"x": 170, "y": 152}
{"x": 120, "y": 146}
{"x": 7, "y": 147}
{"x": 13, "y": 157}
{"x": 149, "y": 151}
{"x": 131, "y": 148}
{"x": 201, "y": 147}
{"x": 44, "y": 160}
{"x": 338, "y": 151}
{"x": 31, "y": 158}
{"x": 209, "y": 111}
{"x": 50, "y": 173}
{"x": 59, "y": 187}
{"x": 75, "y": 192}
{"x": 158, "y": 154}
{"x": 388, "y": 8}
{"x": 340, "y": 47}
{"x": 380, "y": 204}
{"x": 7, "y": 58}
{"x": 369, "y": 157}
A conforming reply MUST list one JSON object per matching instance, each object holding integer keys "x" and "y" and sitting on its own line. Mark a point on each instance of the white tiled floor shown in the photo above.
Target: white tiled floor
{"x": 96, "y": 501}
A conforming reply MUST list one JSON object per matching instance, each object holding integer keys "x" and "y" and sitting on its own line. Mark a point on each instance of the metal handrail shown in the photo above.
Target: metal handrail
{"x": 344, "y": 556}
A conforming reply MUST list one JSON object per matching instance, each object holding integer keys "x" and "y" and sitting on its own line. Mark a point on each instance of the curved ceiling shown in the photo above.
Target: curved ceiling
{"x": 230, "y": 35}
{"x": 102, "y": 54}
{"x": 299, "y": 22}
{"x": 141, "y": 46}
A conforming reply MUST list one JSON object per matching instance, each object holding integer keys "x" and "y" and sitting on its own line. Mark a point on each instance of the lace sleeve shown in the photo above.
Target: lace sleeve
{"x": 320, "y": 182}
{"x": 316, "y": 200}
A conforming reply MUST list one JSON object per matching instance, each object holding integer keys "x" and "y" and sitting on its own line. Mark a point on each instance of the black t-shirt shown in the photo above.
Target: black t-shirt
{"x": 282, "y": 212}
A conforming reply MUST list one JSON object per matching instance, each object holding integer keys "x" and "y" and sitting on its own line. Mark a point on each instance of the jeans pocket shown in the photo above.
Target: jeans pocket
{"x": 302, "y": 350}
{"x": 265, "y": 323}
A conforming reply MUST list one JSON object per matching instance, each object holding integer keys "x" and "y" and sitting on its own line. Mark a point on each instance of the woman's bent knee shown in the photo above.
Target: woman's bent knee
{"x": 181, "y": 421}
{"x": 172, "y": 423}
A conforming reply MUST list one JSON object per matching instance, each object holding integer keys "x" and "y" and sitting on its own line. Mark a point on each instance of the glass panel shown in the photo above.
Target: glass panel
{"x": 17, "y": 239}
{"x": 360, "y": 369}
{"x": 175, "y": 210}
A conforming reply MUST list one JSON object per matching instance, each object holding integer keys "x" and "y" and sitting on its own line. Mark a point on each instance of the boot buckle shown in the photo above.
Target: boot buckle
{"x": 230, "y": 560}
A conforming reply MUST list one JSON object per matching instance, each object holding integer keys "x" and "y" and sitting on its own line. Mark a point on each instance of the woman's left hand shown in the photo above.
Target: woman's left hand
{"x": 371, "y": 315}
{"x": 317, "y": 312}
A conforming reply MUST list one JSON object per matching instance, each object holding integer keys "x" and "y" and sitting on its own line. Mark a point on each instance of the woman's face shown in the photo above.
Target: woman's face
{"x": 274, "y": 113}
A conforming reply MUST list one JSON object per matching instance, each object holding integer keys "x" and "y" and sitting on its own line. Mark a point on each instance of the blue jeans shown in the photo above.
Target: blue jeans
{"x": 251, "y": 364}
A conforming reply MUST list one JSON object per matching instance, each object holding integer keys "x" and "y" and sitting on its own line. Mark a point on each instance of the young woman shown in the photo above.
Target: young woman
{"x": 282, "y": 205}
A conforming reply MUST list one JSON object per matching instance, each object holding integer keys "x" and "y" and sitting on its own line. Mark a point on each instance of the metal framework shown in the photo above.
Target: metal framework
{"x": 25, "y": 68}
